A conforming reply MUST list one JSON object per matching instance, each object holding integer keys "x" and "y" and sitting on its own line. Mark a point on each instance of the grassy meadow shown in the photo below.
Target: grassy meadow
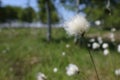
{"x": 24, "y": 52}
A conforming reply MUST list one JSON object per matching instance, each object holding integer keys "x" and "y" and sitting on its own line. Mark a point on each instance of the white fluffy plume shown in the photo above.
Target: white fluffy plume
{"x": 72, "y": 69}
{"x": 41, "y": 76}
{"x": 77, "y": 25}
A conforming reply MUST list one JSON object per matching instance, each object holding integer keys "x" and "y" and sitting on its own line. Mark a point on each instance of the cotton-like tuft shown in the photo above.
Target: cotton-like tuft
{"x": 97, "y": 22}
{"x": 41, "y": 76}
{"x": 106, "y": 52}
{"x": 67, "y": 45}
{"x": 77, "y": 25}
{"x": 118, "y": 48}
{"x": 112, "y": 37}
{"x": 55, "y": 70}
{"x": 95, "y": 45}
{"x": 117, "y": 72}
{"x": 105, "y": 45}
{"x": 100, "y": 41}
{"x": 72, "y": 69}
{"x": 113, "y": 30}
{"x": 92, "y": 40}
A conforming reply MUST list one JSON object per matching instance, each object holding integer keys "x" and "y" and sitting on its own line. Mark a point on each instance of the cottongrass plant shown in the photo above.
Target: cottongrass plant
{"x": 41, "y": 76}
{"x": 95, "y": 45}
{"x": 117, "y": 72}
{"x": 92, "y": 40}
{"x": 97, "y": 22}
{"x": 72, "y": 69}
{"x": 63, "y": 53}
{"x": 118, "y": 48}
{"x": 78, "y": 26}
{"x": 67, "y": 45}
{"x": 112, "y": 37}
{"x": 106, "y": 52}
{"x": 99, "y": 38}
{"x": 105, "y": 45}
{"x": 55, "y": 70}
{"x": 113, "y": 30}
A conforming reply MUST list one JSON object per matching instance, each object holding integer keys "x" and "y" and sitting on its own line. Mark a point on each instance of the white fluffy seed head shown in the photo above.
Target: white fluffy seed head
{"x": 100, "y": 41}
{"x": 55, "y": 70}
{"x": 67, "y": 45}
{"x": 117, "y": 72}
{"x": 72, "y": 69}
{"x": 97, "y": 22}
{"x": 77, "y": 25}
{"x": 118, "y": 48}
{"x": 92, "y": 40}
{"x": 112, "y": 37}
{"x": 63, "y": 53}
{"x": 105, "y": 45}
{"x": 95, "y": 45}
{"x": 113, "y": 30}
{"x": 106, "y": 52}
{"x": 41, "y": 76}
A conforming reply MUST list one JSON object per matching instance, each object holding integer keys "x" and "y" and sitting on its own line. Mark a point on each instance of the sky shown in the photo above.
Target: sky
{"x": 21, "y": 3}
{"x": 66, "y": 14}
{"x": 63, "y": 13}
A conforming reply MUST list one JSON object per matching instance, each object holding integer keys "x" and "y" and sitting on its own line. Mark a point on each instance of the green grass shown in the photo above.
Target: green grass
{"x": 24, "y": 52}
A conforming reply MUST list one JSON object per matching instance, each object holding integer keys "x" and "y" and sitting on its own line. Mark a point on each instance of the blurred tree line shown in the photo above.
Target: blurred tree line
{"x": 94, "y": 10}
{"x": 9, "y": 13}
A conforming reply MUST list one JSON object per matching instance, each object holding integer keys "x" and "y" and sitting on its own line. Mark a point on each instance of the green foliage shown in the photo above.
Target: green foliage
{"x": 54, "y": 17}
{"x": 113, "y": 19}
{"x": 2, "y": 15}
{"x": 43, "y": 13}
{"x": 94, "y": 13}
{"x": 95, "y": 10}
{"x": 28, "y": 15}
{"x": 24, "y": 52}
{"x": 9, "y": 13}
{"x": 19, "y": 12}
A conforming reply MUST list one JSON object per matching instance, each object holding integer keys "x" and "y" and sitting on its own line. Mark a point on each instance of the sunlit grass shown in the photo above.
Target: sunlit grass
{"x": 24, "y": 52}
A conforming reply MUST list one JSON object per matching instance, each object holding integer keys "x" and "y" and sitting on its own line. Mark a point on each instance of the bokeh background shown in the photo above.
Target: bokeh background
{"x": 33, "y": 39}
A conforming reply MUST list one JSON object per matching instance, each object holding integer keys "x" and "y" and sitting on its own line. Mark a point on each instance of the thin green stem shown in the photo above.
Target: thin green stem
{"x": 91, "y": 57}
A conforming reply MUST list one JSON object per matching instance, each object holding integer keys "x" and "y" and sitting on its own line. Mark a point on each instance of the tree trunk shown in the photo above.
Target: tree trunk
{"x": 28, "y": 19}
{"x": 0, "y": 3}
{"x": 48, "y": 21}
{"x": 76, "y": 39}
{"x": 77, "y": 6}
